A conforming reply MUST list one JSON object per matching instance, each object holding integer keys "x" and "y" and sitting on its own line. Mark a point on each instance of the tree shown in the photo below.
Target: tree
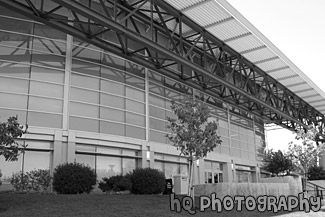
{"x": 277, "y": 163}
{"x": 306, "y": 154}
{"x": 9, "y": 132}
{"x": 316, "y": 173}
{"x": 192, "y": 134}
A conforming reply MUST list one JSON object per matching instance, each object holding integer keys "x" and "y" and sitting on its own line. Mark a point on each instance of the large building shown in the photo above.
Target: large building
{"x": 94, "y": 81}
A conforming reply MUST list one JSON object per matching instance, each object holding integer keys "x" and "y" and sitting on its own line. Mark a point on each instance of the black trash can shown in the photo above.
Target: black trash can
{"x": 168, "y": 186}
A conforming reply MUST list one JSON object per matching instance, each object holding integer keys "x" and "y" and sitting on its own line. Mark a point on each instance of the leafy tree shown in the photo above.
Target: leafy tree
{"x": 316, "y": 173}
{"x": 9, "y": 132}
{"x": 277, "y": 163}
{"x": 305, "y": 155}
{"x": 192, "y": 134}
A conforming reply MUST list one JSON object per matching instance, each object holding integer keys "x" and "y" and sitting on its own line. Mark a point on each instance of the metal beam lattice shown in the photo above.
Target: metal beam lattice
{"x": 157, "y": 36}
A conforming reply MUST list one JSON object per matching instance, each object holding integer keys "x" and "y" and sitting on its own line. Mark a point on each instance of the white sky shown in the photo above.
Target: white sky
{"x": 297, "y": 28}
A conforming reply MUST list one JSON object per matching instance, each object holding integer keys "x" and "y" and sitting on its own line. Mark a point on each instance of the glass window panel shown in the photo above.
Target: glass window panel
{"x": 223, "y": 131}
{"x": 135, "y": 132}
{"x": 244, "y": 154}
{"x": 233, "y": 127}
{"x": 85, "y": 110}
{"x": 5, "y": 113}
{"x": 243, "y": 137}
{"x": 235, "y": 152}
{"x": 14, "y": 69}
{"x": 9, "y": 167}
{"x": 42, "y": 162}
{"x": 88, "y": 148}
{"x": 108, "y": 166}
{"x": 48, "y": 32}
{"x": 46, "y": 74}
{"x": 115, "y": 62}
{"x": 156, "y": 89}
{"x": 45, "y": 104}
{"x": 251, "y": 155}
{"x": 217, "y": 149}
{"x": 157, "y": 112}
{"x": 243, "y": 145}
{"x": 112, "y": 114}
{"x": 85, "y": 67}
{"x": 15, "y": 25}
{"x": 157, "y": 101}
{"x": 113, "y": 74}
{"x": 225, "y": 150}
{"x": 49, "y": 60}
{"x": 46, "y": 89}
{"x": 44, "y": 120}
{"x": 157, "y": 137}
{"x": 135, "y": 69}
{"x": 86, "y": 54}
{"x": 171, "y": 169}
{"x": 112, "y": 101}
{"x": 134, "y": 119}
{"x": 157, "y": 124}
{"x": 88, "y": 160}
{"x": 13, "y": 101}
{"x": 112, "y": 87}
{"x": 83, "y": 124}
{"x": 235, "y": 143}
{"x": 129, "y": 165}
{"x": 14, "y": 54}
{"x": 134, "y": 94}
{"x": 112, "y": 128}
{"x": 84, "y": 95}
{"x": 85, "y": 81}
{"x": 49, "y": 46}
{"x": 251, "y": 147}
{"x": 13, "y": 85}
{"x": 135, "y": 106}
{"x": 225, "y": 141}
{"x": 134, "y": 81}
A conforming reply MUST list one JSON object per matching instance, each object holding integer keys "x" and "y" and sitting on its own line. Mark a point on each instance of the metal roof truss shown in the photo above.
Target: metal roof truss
{"x": 203, "y": 61}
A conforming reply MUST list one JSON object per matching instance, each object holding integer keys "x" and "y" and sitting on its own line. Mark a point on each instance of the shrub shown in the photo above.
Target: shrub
{"x": 73, "y": 178}
{"x": 0, "y": 178}
{"x": 33, "y": 181}
{"x": 147, "y": 181}
{"x": 316, "y": 173}
{"x": 115, "y": 183}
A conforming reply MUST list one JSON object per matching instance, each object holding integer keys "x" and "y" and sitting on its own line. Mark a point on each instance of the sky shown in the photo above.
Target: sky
{"x": 297, "y": 28}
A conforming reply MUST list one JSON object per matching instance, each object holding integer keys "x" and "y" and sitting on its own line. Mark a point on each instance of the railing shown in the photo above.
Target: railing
{"x": 315, "y": 190}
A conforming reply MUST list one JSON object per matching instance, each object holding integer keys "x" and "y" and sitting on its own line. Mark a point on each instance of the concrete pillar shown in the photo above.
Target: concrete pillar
{"x": 57, "y": 148}
{"x": 227, "y": 172}
{"x": 71, "y": 149}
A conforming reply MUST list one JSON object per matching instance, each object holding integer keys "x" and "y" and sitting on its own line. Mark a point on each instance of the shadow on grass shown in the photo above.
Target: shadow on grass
{"x": 12, "y": 204}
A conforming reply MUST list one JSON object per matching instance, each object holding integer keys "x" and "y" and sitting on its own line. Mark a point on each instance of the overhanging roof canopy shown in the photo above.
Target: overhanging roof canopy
{"x": 223, "y": 21}
{"x": 212, "y": 49}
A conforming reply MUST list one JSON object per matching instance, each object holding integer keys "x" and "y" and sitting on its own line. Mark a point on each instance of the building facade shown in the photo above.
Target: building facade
{"x": 87, "y": 105}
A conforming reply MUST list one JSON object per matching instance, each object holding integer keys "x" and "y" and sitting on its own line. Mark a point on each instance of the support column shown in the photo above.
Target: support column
{"x": 57, "y": 149}
{"x": 227, "y": 172}
{"x": 71, "y": 149}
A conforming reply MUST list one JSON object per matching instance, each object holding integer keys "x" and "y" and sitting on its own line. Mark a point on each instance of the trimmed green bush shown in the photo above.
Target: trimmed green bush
{"x": 73, "y": 178}
{"x": 147, "y": 181}
{"x": 115, "y": 183}
{"x": 32, "y": 181}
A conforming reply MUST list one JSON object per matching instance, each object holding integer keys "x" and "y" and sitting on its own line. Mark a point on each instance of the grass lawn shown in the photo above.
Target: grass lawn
{"x": 12, "y": 204}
